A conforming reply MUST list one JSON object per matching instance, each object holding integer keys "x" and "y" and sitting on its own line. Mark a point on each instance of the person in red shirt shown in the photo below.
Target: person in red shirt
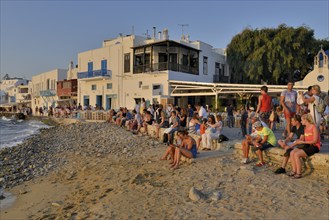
{"x": 264, "y": 106}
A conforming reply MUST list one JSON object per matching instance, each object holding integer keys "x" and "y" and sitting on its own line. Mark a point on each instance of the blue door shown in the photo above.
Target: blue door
{"x": 99, "y": 100}
{"x": 90, "y": 69}
{"x": 86, "y": 100}
{"x": 108, "y": 103}
{"x": 104, "y": 66}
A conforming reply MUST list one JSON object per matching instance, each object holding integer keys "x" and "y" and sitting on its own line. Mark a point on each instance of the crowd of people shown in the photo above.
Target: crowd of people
{"x": 299, "y": 113}
{"x": 257, "y": 126}
{"x": 304, "y": 118}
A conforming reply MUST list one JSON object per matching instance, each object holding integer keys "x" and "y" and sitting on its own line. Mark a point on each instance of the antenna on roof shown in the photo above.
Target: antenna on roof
{"x": 183, "y": 25}
{"x": 147, "y": 34}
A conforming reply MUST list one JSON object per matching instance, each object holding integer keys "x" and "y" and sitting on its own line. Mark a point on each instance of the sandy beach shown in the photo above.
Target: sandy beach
{"x": 101, "y": 171}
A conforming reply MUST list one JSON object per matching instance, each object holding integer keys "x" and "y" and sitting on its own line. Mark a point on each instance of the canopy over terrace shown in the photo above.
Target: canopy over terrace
{"x": 185, "y": 88}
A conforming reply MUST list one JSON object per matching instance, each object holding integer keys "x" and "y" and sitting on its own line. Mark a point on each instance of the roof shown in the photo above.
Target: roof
{"x": 188, "y": 88}
{"x": 163, "y": 42}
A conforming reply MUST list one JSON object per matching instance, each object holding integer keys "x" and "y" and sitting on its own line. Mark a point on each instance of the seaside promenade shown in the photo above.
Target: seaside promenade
{"x": 87, "y": 170}
{"x": 274, "y": 155}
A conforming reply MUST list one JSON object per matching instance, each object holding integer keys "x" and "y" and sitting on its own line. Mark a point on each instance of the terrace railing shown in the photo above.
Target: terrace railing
{"x": 163, "y": 66}
{"x": 95, "y": 73}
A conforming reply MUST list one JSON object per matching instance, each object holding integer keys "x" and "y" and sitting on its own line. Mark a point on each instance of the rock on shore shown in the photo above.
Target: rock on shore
{"x": 42, "y": 153}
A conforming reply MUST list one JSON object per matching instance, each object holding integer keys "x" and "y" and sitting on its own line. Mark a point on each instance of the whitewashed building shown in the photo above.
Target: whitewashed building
{"x": 320, "y": 73}
{"x": 44, "y": 88}
{"x": 14, "y": 92}
{"x": 128, "y": 68}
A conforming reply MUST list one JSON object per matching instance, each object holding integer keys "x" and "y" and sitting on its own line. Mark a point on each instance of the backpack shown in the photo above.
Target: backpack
{"x": 165, "y": 138}
{"x": 321, "y": 106}
{"x": 222, "y": 138}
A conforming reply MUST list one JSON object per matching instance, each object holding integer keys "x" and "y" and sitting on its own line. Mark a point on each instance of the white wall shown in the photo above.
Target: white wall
{"x": 39, "y": 83}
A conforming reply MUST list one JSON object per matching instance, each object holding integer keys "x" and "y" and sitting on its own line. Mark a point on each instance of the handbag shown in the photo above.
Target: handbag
{"x": 167, "y": 130}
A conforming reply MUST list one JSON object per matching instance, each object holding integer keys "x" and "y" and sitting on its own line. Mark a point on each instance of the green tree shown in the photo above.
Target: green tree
{"x": 272, "y": 54}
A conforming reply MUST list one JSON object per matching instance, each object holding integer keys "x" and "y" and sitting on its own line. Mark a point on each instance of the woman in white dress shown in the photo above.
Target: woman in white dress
{"x": 213, "y": 131}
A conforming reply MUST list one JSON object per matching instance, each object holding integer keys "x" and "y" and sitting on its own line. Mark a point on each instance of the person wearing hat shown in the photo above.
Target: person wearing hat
{"x": 248, "y": 141}
{"x": 266, "y": 141}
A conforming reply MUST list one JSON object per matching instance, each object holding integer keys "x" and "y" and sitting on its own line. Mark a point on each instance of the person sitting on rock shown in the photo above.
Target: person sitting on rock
{"x": 174, "y": 126}
{"x": 248, "y": 141}
{"x": 137, "y": 122}
{"x": 213, "y": 131}
{"x": 267, "y": 140}
{"x": 163, "y": 123}
{"x": 194, "y": 124}
{"x": 148, "y": 120}
{"x": 288, "y": 144}
{"x": 187, "y": 148}
{"x": 305, "y": 148}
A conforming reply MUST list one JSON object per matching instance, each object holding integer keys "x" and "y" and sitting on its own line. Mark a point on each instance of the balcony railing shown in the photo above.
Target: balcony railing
{"x": 220, "y": 79}
{"x": 48, "y": 92}
{"x": 166, "y": 66}
{"x": 95, "y": 73}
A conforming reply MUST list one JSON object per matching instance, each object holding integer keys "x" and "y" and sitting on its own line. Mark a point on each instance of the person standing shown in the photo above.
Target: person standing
{"x": 251, "y": 114}
{"x": 190, "y": 113}
{"x": 201, "y": 111}
{"x": 288, "y": 100}
{"x": 244, "y": 120}
{"x": 312, "y": 102}
{"x": 264, "y": 105}
{"x": 230, "y": 122}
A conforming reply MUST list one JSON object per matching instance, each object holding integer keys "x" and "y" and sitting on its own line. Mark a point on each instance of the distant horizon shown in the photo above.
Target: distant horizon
{"x": 48, "y": 35}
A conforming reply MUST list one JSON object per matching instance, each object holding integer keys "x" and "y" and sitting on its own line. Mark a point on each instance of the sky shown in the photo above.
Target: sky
{"x": 39, "y": 36}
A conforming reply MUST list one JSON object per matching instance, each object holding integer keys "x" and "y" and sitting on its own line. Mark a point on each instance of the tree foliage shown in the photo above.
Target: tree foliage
{"x": 272, "y": 55}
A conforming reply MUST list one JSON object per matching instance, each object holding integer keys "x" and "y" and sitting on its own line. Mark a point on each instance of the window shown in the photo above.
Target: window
{"x": 66, "y": 85}
{"x": 93, "y": 87}
{"x": 225, "y": 73}
{"x": 217, "y": 69}
{"x": 205, "y": 65}
{"x": 320, "y": 78}
{"x": 140, "y": 84}
{"x": 48, "y": 84}
{"x": 156, "y": 87}
{"x": 127, "y": 63}
{"x": 109, "y": 86}
{"x": 185, "y": 60}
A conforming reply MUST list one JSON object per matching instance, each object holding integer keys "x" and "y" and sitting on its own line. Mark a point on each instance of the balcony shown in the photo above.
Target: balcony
{"x": 48, "y": 92}
{"x": 221, "y": 79}
{"x": 95, "y": 73}
{"x": 163, "y": 66}
{"x": 67, "y": 87}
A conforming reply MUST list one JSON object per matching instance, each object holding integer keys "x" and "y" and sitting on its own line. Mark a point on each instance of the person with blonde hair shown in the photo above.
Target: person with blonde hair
{"x": 305, "y": 148}
{"x": 312, "y": 102}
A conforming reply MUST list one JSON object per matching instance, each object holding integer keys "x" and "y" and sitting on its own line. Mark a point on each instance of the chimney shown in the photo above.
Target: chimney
{"x": 165, "y": 34}
{"x": 159, "y": 35}
{"x": 187, "y": 38}
{"x": 154, "y": 32}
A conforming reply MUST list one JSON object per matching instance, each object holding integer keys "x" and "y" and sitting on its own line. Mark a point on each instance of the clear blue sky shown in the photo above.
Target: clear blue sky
{"x": 40, "y": 36}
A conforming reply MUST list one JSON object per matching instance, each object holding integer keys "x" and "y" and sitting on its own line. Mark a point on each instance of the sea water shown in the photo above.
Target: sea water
{"x": 13, "y": 131}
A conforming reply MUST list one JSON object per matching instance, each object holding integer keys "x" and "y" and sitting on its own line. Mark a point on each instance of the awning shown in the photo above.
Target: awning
{"x": 65, "y": 100}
